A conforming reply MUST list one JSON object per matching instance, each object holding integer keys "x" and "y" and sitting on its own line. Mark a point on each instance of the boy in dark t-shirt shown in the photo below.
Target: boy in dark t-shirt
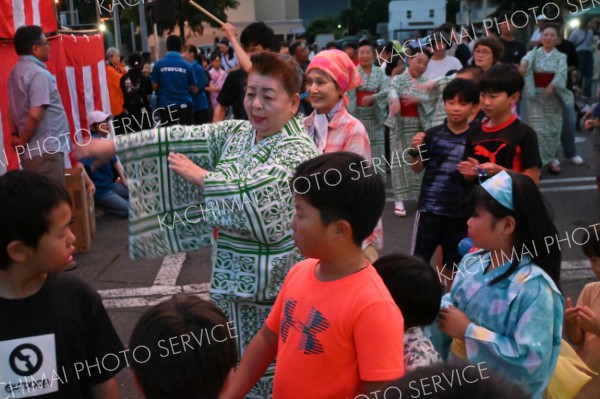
{"x": 441, "y": 220}
{"x": 504, "y": 142}
{"x": 56, "y": 339}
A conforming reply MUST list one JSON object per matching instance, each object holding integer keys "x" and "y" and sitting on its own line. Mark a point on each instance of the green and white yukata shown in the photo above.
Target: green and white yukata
{"x": 246, "y": 197}
{"x": 545, "y": 114}
{"x": 439, "y": 115}
{"x": 406, "y": 184}
{"x": 374, "y": 116}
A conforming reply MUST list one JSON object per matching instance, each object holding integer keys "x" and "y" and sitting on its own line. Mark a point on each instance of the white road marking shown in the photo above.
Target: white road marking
{"x": 568, "y": 188}
{"x": 149, "y": 296}
{"x": 170, "y": 269}
{"x": 567, "y": 180}
{"x": 163, "y": 288}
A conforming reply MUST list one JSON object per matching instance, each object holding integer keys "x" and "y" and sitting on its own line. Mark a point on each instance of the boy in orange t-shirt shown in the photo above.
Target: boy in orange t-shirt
{"x": 335, "y": 329}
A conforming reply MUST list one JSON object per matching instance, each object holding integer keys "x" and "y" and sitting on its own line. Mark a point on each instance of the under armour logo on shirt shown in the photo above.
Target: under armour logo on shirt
{"x": 315, "y": 324}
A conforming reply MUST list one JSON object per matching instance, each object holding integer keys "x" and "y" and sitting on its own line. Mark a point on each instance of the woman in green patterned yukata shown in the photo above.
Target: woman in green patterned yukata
{"x": 240, "y": 172}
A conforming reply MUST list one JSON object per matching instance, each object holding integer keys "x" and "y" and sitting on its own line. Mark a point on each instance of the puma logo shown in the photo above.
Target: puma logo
{"x": 484, "y": 152}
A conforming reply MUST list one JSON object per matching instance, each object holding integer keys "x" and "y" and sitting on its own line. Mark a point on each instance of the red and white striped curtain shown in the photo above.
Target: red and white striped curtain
{"x": 78, "y": 64}
{"x": 16, "y": 13}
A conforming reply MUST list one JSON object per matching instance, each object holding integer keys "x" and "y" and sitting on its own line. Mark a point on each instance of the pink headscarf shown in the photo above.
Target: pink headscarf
{"x": 340, "y": 67}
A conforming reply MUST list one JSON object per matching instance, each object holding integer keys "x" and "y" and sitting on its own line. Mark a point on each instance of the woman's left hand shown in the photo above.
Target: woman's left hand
{"x": 548, "y": 91}
{"x": 183, "y": 166}
{"x": 589, "y": 320}
{"x": 453, "y": 322}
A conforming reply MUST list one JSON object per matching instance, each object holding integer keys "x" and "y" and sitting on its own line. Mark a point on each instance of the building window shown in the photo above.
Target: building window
{"x": 409, "y": 14}
{"x": 431, "y": 13}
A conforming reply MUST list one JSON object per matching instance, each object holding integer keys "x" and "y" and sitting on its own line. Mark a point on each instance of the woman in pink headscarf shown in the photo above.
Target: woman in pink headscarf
{"x": 330, "y": 75}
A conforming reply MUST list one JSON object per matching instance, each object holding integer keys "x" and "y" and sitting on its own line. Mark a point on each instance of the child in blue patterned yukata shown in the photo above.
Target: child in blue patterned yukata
{"x": 505, "y": 307}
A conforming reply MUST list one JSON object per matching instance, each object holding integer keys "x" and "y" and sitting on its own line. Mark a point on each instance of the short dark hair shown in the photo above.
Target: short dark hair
{"x": 173, "y": 43}
{"x": 294, "y": 46}
{"x": 332, "y": 45}
{"x": 474, "y": 70}
{"x": 27, "y": 200}
{"x": 358, "y": 198}
{"x": 551, "y": 25}
{"x": 352, "y": 45}
{"x": 465, "y": 89}
{"x": 414, "y": 285}
{"x": 200, "y": 372}
{"x": 366, "y": 42}
{"x": 591, "y": 246}
{"x": 279, "y": 66}
{"x": 135, "y": 60}
{"x": 412, "y": 51}
{"x": 485, "y": 383}
{"x": 502, "y": 78}
{"x": 257, "y": 33}
{"x": 214, "y": 55}
{"x": 190, "y": 48}
{"x": 26, "y": 37}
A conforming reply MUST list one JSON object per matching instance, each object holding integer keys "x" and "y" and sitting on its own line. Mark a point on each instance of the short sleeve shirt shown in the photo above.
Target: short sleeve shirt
{"x": 334, "y": 334}
{"x": 513, "y": 145}
{"x": 30, "y": 84}
{"x": 51, "y": 341}
{"x": 443, "y": 186}
{"x": 232, "y": 93}
{"x": 199, "y": 99}
{"x": 174, "y": 75}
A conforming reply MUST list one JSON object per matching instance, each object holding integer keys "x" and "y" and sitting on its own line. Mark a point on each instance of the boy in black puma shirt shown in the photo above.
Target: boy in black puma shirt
{"x": 503, "y": 142}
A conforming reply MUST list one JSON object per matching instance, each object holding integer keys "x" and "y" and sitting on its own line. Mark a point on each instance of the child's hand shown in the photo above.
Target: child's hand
{"x": 491, "y": 168}
{"x": 418, "y": 139}
{"x": 589, "y": 320}
{"x": 468, "y": 167}
{"x": 453, "y": 322}
{"x": 571, "y": 313}
{"x": 589, "y": 124}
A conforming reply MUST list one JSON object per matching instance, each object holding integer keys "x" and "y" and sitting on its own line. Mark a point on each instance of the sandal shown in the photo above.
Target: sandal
{"x": 399, "y": 209}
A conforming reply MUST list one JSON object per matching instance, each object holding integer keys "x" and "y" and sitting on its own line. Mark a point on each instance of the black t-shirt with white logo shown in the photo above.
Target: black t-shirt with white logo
{"x": 58, "y": 342}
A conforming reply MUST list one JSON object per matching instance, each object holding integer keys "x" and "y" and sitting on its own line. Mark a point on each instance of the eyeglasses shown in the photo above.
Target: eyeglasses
{"x": 43, "y": 44}
{"x": 483, "y": 52}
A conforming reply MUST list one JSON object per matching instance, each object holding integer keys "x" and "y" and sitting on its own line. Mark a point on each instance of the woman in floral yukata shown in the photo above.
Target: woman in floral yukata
{"x": 246, "y": 167}
{"x": 330, "y": 74}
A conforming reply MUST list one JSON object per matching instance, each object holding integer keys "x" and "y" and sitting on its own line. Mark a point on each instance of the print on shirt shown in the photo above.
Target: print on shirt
{"x": 314, "y": 325}
{"x": 487, "y": 152}
{"x": 28, "y": 366}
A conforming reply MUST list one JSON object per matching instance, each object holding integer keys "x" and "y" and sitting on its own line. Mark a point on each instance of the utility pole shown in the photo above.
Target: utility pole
{"x": 143, "y": 27}
{"x": 115, "y": 11}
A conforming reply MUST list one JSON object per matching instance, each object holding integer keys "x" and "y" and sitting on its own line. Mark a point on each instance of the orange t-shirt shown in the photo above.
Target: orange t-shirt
{"x": 334, "y": 334}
